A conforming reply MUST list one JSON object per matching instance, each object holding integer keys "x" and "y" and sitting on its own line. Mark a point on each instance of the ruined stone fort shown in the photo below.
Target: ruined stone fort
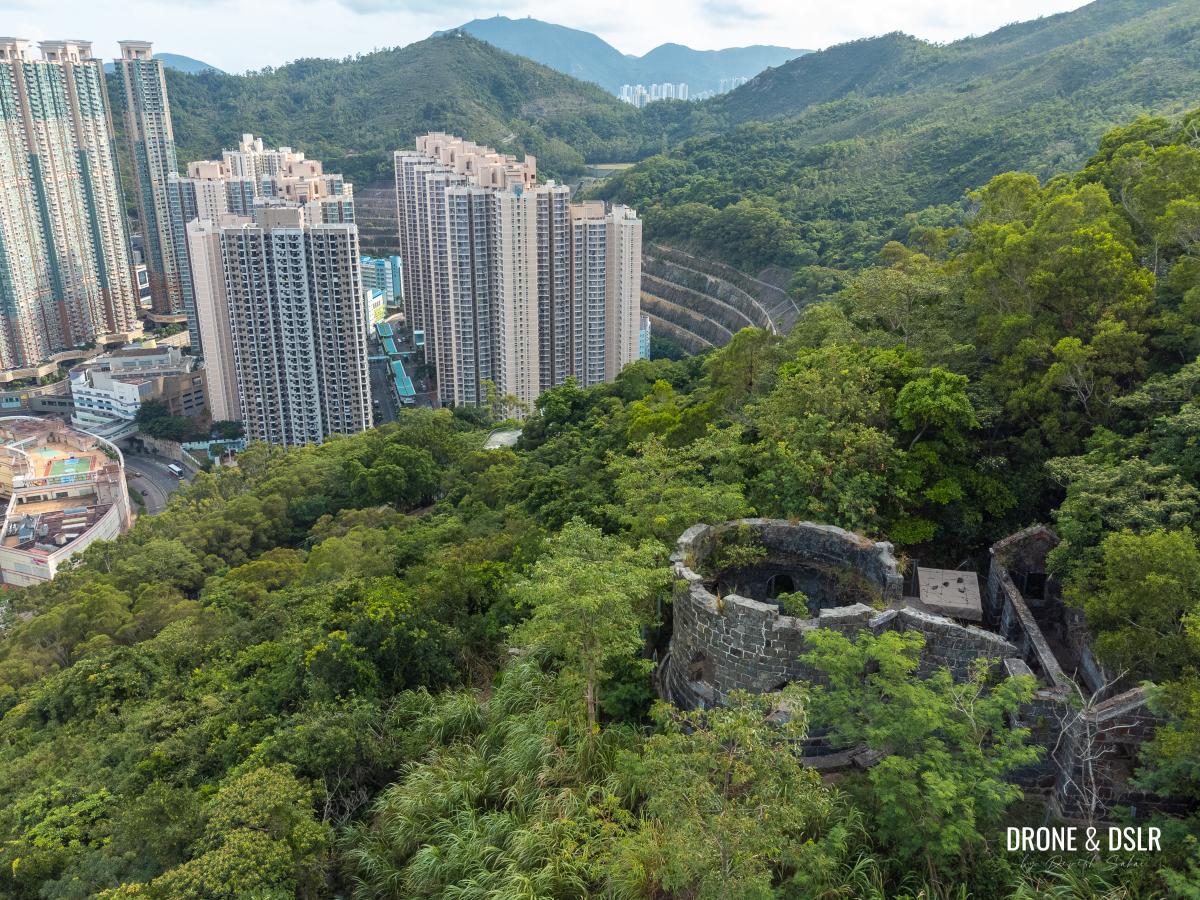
{"x": 748, "y": 592}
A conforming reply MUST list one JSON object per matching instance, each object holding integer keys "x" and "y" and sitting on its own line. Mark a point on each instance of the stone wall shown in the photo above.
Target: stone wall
{"x": 721, "y": 643}
{"x": 833, "y": 567}
{"x": 1015, "y": 621}
{"x": 1098, "y": 755}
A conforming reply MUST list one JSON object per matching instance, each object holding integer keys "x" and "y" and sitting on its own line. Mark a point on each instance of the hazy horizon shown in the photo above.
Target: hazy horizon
{"x": 231, "y": 35}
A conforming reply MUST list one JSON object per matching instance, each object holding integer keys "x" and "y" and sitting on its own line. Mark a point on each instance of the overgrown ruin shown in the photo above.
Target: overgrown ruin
{"x": 748, "y": 592}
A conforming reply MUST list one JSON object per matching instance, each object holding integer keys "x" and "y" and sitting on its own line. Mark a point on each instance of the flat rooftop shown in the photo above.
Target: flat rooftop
{"x": 949, "y": 592}
{"x": 53, "y": 529}
{"x": 58, "y": 459}
{"x": 499, "y": 439}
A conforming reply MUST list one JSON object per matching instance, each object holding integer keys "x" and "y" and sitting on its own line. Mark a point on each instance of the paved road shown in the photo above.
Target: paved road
{"x": 150, "y": 475}
{"x": 381, "y": 390}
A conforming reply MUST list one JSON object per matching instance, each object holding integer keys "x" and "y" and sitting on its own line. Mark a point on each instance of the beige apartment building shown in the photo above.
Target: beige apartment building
{"x": 68, "y": 278}
{"x": 211, "y": 310}
{"x": 510, "y": 281}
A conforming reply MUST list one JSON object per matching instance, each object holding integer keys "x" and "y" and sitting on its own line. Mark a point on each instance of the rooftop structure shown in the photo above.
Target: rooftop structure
{"x": 950, "y": 593}
{"x": 62, "y": 489}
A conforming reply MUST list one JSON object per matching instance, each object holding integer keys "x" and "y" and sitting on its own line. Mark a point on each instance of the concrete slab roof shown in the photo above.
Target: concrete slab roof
{"x": 950, "y": 593}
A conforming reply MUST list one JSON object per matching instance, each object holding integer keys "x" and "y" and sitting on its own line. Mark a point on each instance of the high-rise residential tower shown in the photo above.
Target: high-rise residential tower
{"x": 152, "y": 150}
{"x": 65, "y": 272}
{"x": 298, "y": 321}
{"x": 276, "y": 293}
{"x": 234, "y": 184}
{"x": 512, "y": 283}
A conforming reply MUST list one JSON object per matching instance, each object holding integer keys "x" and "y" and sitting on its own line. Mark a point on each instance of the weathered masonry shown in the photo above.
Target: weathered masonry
{"x": 748, "y": 593}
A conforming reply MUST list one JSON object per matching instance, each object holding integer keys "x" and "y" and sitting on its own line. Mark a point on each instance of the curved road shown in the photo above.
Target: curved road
{"x": 150, "y": 476}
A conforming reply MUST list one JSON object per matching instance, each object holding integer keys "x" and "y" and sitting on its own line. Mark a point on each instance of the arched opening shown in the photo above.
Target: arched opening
{"x": 700, "y": 669}
{"x": 780, "y": 583}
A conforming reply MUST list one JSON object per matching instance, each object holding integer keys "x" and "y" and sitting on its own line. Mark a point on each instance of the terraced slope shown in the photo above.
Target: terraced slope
{"x": 703, "y": 303}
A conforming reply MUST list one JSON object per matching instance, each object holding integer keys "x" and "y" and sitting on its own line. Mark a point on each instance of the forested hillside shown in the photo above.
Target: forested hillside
{"x": 837, "y": 151}
{"x": 813, "y": 165}
{"x": 398, "y": 665}
{"x": 353, "y": 113}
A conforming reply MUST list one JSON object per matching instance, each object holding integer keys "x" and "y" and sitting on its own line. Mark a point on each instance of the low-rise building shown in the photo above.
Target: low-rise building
{"x": 61, "y": 489}
{"x": 113, "y": 387}
{"x": 383, "y": 273}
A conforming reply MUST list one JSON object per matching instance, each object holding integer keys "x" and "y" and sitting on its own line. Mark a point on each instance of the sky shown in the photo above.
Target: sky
{"x": 236, "y": 35}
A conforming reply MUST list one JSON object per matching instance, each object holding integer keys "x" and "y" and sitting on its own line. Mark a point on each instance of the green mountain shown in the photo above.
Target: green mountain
{"x": 181, "y": 63}
{"x": 353, "y": 113}
{"x": 862, "y": 134}
{"x": 583, "y": 55}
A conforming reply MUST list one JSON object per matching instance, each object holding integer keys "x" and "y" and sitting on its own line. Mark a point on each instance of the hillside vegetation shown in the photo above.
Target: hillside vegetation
{"x": 837, "y": 151}
{"x": 398, "y": 665}
{"x": 354, "y": 113}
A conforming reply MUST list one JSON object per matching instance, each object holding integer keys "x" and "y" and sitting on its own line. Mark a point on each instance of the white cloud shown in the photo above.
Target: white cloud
{"x": 240, "y": 35}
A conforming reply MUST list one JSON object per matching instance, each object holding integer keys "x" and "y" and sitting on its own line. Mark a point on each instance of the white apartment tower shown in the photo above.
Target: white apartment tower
{"x": 511, "y": 282}
{"x": 151, "y": 142}
{"x": 65, "y": 273}
{"x": 283, "y": 316}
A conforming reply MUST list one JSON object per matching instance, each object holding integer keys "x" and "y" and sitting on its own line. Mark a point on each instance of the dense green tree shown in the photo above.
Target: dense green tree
{"x": 1148, "y": 587}
{"x": 726, "y": 808}
{"x": 584, "y": 599}
{"x": 940, "y": 788}
{"x": 663, "y": 492}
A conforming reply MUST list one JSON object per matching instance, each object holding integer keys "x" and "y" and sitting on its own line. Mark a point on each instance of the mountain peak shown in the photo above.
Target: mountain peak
{"x": 584, "y": 55}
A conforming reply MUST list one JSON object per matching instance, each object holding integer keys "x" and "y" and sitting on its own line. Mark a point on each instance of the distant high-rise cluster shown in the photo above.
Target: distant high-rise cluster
{"x": 65, "y": 272}
{"x": 510, "y": 282}
{"x": 274, "y": 291}
{"x": 639, "y": 95}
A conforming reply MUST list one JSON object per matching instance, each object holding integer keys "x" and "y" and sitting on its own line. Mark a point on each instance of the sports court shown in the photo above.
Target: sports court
{"x": 70, "y": 466}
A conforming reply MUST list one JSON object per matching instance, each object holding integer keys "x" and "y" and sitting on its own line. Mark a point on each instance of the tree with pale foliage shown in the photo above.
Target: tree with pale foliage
{"x": 584, "y": 598}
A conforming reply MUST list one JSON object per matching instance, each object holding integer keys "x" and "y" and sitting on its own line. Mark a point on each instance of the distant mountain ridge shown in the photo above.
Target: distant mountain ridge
{"x": 830, "y": 152}
{"x": 353, "y": 113}
{"x": 179, "y": 63}
{"x": 587, "y": 57}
